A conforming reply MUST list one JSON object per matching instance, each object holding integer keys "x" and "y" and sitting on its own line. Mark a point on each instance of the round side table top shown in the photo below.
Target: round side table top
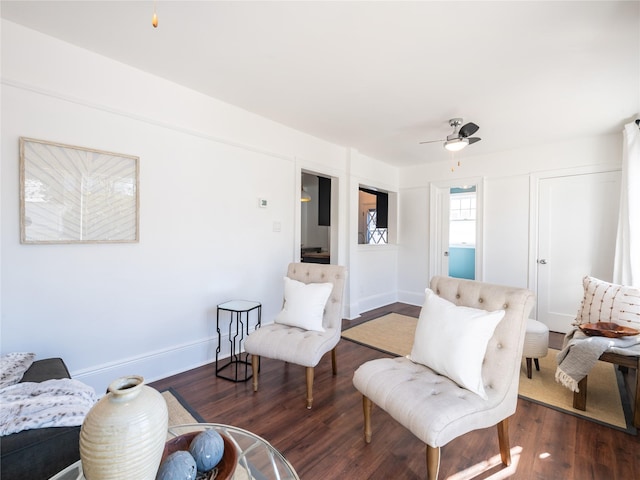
{"x": 257, "y": 458}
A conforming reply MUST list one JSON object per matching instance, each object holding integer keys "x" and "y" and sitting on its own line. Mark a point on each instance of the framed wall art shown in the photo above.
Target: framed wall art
{"x": 77, "y": 195}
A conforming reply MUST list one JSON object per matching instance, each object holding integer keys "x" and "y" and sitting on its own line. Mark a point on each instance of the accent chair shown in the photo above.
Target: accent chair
{"x": 298, "y": 342}
{"x": 435, "y": 408}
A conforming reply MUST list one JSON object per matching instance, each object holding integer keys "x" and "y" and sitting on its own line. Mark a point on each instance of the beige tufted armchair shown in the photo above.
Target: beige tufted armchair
{"x": 433, "y": 407}
{"x": 296, "y": 345}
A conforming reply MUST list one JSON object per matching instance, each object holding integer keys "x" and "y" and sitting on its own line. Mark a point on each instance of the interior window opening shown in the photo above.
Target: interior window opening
{"x": 373, "y": 218}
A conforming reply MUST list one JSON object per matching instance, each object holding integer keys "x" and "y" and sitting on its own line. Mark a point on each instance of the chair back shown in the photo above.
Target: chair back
{"x": 501, "y": 367}
{"x": 321, "y": 273}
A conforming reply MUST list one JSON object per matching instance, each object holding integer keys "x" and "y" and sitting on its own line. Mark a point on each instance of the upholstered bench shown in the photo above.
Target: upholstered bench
{"x": 536, "y": 343}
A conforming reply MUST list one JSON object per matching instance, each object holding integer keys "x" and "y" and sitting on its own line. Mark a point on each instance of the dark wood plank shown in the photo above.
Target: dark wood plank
{"x": 327, "y": 442}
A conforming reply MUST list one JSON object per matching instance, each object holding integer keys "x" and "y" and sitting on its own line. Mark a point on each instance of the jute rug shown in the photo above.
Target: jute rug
{"x": 180, "y": 412}
{"x": 393, "y": 334}
{"x": 604, "y": 401}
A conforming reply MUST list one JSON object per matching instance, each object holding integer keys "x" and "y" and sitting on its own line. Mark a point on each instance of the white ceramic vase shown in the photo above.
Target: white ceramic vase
{"x": 123, "y": 435}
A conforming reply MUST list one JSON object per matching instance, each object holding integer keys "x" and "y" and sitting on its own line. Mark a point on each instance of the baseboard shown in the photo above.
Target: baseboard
{"x": 375, "y": 301}
{"x": 411, "y": 298}
{"x": 155, "y": 365}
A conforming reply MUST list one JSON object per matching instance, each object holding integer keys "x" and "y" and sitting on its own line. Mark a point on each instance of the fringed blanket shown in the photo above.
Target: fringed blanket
{"x": 52, "y": 403}
{"x": 580, "y": 353}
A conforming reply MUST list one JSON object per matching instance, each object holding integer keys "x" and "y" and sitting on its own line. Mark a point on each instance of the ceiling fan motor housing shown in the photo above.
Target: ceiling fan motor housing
{"x": 455, "y": 123}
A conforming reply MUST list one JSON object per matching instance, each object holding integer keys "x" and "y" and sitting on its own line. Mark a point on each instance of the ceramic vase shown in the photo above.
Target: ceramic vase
{"x": 123, "y": 435}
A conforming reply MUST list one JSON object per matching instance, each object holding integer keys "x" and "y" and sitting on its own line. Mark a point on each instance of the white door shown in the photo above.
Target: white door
{"x": 577, "y": 223}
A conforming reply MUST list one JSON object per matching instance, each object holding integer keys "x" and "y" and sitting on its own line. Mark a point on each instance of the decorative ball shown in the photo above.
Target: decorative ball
{"x": 207, "y": 449}
{"x": 179, "y": 465}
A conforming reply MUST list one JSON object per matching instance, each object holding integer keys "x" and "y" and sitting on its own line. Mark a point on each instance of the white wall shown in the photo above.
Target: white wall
{"x": 506, "y": 212}
{"x": 373, "y": 277}
{"x": 149, "y": 308}
{"x": 506, "y": 230}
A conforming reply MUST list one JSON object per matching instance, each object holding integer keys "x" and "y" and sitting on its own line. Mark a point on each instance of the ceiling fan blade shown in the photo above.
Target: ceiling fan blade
{"x": 468, "y": 129}
{"x": 473, "y": 140}
{"x": 431, "y": 141}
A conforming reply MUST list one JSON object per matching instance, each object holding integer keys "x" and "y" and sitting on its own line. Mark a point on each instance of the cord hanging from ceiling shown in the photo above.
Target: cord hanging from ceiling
{"x": 154, "y": 19}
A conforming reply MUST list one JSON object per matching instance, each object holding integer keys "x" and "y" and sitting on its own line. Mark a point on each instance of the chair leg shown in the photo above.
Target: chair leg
{"x": 503, "y": 441}
{"x": 309, "y": 387}
{"x": 537, "y": 362}
{"x": 255, "y": 368}
{"x": 367, "y": 405}
{"x": 334, "y": 365}
{"x": 433, "y": 462}
{"x": 528, "y": 367}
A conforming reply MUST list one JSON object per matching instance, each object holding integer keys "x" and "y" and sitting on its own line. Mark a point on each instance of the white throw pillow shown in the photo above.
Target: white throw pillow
{"x": 453, "y": 340}
{"x": 608, "y": 302}
{"x": 304, "y": 304}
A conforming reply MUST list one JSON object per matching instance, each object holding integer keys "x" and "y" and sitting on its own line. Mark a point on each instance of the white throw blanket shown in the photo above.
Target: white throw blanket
{"x": 52, "y": 403}
{"x": 580, "y": 353}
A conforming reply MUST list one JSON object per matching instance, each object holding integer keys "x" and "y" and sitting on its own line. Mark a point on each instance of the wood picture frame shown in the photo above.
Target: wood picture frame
{"x": 72, "y": 194}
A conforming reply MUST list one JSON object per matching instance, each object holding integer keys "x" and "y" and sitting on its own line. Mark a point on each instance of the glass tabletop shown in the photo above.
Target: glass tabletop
{"x": 257, "y": 458}
{"x": 239, "y": 305}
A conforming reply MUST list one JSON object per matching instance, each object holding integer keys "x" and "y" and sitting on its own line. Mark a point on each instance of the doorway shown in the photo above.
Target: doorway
{"x": 462, "y": 232}
{"x": 456, "y": 229}
{"x": 315, "y": 218}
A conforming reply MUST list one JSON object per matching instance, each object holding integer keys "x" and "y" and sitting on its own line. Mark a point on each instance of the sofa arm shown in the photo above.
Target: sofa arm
{"x": 46, "y": 369}
{"x": 43, "y": 452}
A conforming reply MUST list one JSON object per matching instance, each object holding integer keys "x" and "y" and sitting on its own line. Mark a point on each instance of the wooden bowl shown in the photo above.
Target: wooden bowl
{"x": 607, "y": 329}
{"x": 227, "y": 464}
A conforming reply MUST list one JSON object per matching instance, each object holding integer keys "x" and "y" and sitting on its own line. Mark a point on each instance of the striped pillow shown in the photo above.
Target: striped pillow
{"x": 608, "y": 302}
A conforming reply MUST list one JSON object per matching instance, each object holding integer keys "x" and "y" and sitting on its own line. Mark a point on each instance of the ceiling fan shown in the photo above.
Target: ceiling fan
{"x": 461, "y": 136}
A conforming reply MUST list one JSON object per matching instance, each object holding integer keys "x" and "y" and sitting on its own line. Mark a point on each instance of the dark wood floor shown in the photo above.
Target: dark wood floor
{"x": 326, "y": 443}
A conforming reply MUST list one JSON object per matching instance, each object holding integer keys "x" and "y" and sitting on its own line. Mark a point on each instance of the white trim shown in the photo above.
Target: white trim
{"x": 376, "y": 301}
{"x": 152, "y": 365}
{"x": 411, "y": 298}
{"x": 141, "y": 118}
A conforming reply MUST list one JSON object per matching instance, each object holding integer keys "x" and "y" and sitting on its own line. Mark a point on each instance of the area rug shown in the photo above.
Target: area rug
{"x": 607, "y": 402}
{"x": 180, "y": 412}
{"x": 392, "y": 333}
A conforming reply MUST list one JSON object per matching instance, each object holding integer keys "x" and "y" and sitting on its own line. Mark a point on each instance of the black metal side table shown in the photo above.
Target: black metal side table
{"x": 238, "y": 362}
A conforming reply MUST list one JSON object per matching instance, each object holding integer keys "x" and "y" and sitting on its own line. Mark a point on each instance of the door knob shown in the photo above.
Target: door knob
{"x": 542, "y": 261}
{"x": 446, "y": 254}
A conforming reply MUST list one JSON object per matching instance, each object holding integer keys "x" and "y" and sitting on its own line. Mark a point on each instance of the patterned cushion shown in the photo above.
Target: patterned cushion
{"x": 12, "y": 367}
{"x": 608, "y": 302}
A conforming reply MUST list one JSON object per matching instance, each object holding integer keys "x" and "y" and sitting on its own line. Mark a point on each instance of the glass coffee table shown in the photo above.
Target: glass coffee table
{"x": 257, "y": 458}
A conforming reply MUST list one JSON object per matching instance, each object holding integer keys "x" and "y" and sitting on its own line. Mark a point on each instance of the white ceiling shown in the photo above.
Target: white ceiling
{"x": 381, "y": 76}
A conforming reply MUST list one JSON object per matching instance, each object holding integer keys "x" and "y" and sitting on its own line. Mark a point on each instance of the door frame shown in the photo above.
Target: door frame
{"x": 534, "y": 201}
{"x": 437, "y": 220}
